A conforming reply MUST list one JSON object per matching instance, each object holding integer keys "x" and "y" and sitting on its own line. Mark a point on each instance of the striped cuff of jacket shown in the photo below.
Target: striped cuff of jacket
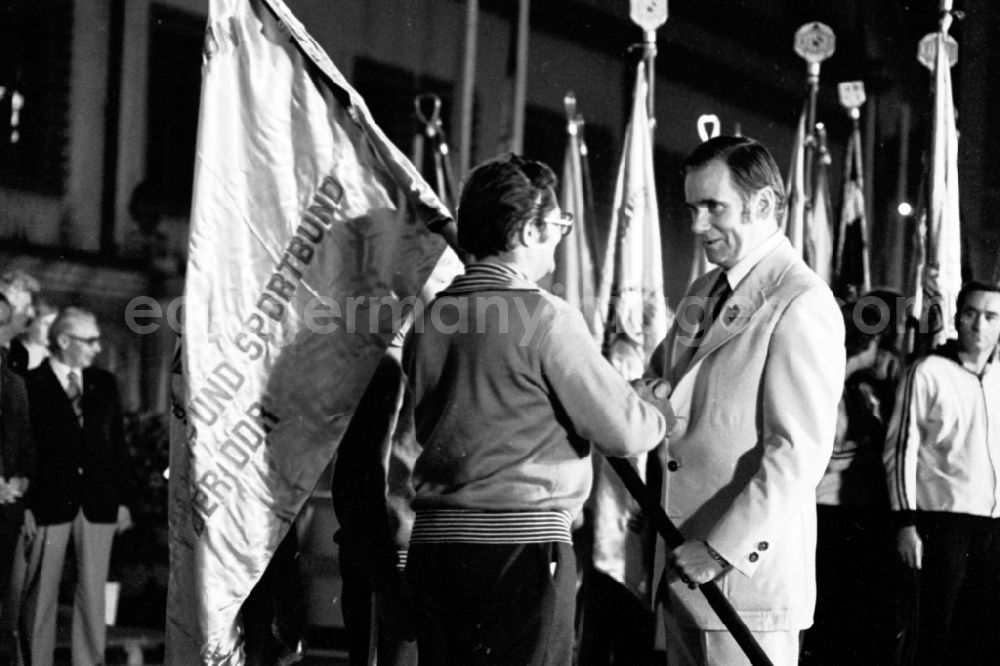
{"x": 475, "y": 526}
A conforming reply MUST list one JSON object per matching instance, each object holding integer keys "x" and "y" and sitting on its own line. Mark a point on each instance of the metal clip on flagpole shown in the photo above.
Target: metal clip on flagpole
{"x": 814, "y": 42}
{"x": 434, "y": 132}
{"x": 673, "y": 538}
{"x": 649, "y": 15}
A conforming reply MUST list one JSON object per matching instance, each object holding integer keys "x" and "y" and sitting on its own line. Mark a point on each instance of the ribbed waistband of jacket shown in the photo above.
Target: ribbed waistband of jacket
{"x": 475, "y": 526}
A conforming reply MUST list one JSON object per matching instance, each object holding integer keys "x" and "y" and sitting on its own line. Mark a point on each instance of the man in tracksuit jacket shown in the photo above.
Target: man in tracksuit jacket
{"x": 942, "y": 456}
{"x": 510, "y": 390}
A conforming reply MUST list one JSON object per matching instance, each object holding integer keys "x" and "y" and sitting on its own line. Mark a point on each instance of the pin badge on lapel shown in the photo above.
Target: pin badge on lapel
{"x": 737, "y": 317}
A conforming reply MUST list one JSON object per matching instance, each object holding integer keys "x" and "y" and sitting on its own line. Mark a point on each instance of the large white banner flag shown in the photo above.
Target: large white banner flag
{"x": 632, "y": 291}
{"x": 309, "y": 240}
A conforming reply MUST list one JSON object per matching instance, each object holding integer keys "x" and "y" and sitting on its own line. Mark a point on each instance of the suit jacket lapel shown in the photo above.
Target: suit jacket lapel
{"x": 89, "y": 396}
{"x": 747, "y": 302}
{"x": 684, "y": 345}
{"x": 58, "y": 393}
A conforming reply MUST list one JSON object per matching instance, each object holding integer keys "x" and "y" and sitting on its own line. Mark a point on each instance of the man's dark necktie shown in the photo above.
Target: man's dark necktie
{"x": 75, "y": 393}
{"x": 717, "y": 297}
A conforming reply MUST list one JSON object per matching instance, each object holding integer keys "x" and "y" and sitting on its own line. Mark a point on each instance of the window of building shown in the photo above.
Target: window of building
{"x": 173, "y": 99}
{"x": 35, "y": 42}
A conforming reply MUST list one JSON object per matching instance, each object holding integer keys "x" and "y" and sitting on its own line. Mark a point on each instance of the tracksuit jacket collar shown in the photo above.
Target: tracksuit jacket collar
{"x": 485, "y": 276}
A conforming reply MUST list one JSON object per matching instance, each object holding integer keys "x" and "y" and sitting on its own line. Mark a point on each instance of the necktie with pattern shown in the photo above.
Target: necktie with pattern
{"x": 75, "y": 393}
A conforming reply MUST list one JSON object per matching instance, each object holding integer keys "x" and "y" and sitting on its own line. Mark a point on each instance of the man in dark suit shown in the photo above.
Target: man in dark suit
{"x": 87, "y": 485}
{"x": 16, "y": 451}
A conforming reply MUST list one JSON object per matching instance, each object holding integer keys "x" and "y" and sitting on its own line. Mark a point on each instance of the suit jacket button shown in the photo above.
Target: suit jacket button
{"x": 753, "y": 557}
{"x": 673, "y": 466}
{"x": 762, "y": 545}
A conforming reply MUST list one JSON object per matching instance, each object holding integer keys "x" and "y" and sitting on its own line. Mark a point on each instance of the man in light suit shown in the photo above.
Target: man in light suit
{"x": 83, "y": 490}
{"x": 755, "y": 359}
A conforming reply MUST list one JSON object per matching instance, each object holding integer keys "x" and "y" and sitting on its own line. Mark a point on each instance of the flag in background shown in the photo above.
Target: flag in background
{"x": 573, "y": 278}
{"x": 795, "y": 190}
{"x": 808, "y": 215}
{"x": 941, "y": 271}
{"x": 819, "y": 216}
{"x": 631, "y": 291}
{"x": 309, "y": 239}
{"x": 852, "y": 272}
{"x": 632, "y": 294}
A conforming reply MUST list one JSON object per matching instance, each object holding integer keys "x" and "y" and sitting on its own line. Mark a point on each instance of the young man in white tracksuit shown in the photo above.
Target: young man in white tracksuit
{"x": 942, "y": 458}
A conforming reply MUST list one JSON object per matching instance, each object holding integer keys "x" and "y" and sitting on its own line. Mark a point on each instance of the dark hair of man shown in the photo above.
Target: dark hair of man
{"x": 500, "y": 197}
{"x": 61, "y": 324}
{"x": 751, "y": 166}
{"x": 967, "y": 290}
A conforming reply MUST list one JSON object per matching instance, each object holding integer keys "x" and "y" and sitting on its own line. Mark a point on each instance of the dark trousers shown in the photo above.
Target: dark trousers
{"x": 273, "y": 615}
{"x": 618, "y": 629}
{"x": 10, "y": 531}
{"x": 854, "y": 559}
{"x": 957, "y": 592}
{"x": 509, "y": 604}
{"x": 356, "y": 606}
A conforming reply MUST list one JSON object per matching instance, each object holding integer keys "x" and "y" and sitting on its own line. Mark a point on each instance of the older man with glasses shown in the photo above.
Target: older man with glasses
{"x": 84, "y": 490}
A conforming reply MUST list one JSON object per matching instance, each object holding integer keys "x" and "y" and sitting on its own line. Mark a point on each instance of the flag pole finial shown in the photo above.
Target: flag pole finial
{"x": 814, "y": 43}
{"x": 649, "y": 15}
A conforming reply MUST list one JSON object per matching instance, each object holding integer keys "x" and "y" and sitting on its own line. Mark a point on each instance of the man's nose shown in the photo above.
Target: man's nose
{"x": 699, "y": 223}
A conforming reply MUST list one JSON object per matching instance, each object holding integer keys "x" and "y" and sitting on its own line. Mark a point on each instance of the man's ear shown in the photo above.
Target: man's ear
{"x": 529, "y": 234}
{"x": 762, "y": 203}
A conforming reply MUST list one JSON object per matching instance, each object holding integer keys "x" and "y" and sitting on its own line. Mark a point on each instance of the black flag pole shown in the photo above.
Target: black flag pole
{"x": 673, "y": 538}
